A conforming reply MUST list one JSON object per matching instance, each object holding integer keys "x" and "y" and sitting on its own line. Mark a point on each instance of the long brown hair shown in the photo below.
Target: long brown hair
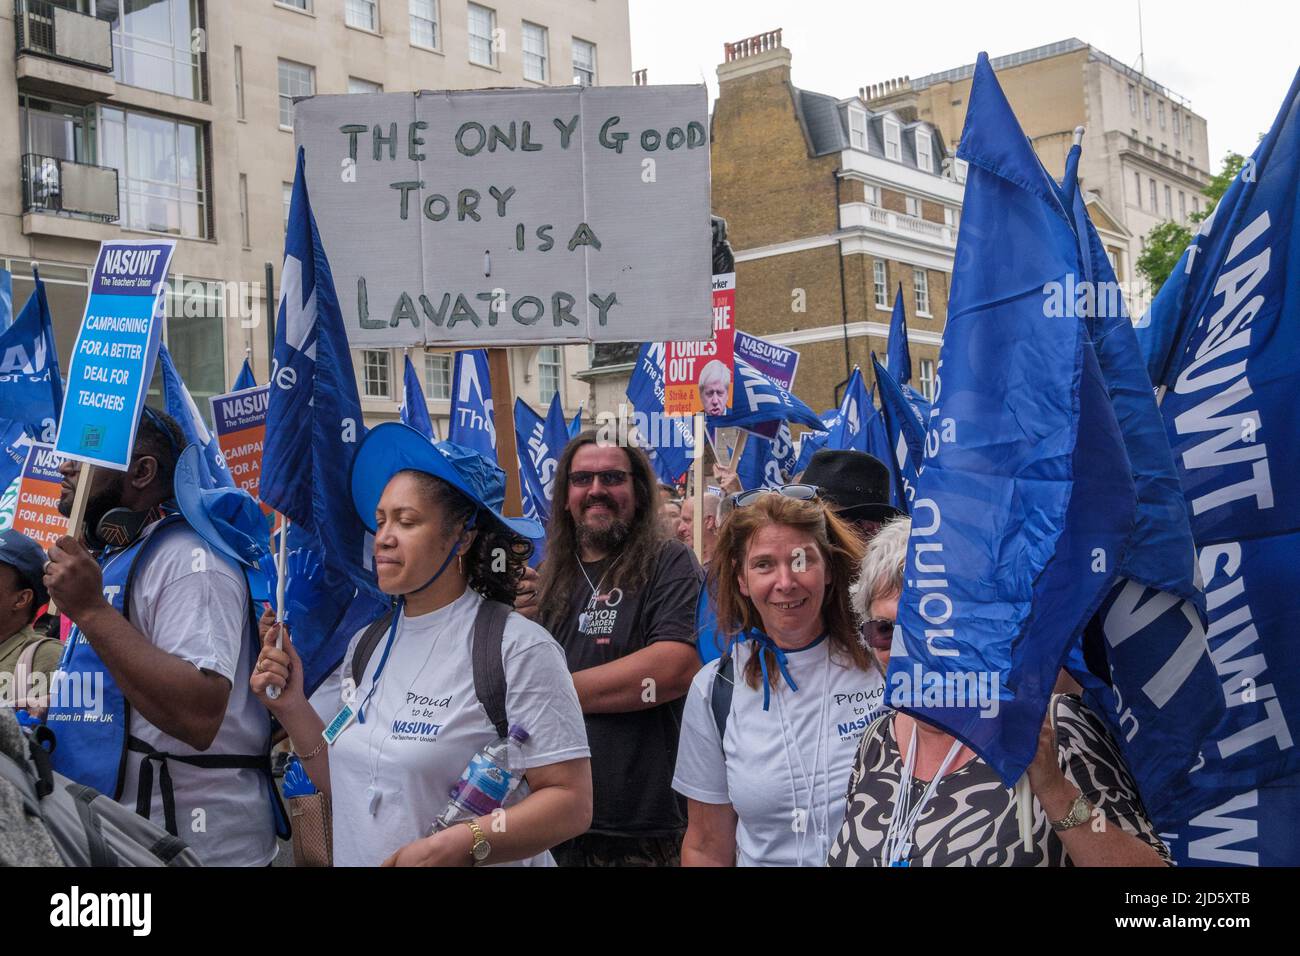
{"x": 560, "y": 575}
{"x": 840, "y": 548}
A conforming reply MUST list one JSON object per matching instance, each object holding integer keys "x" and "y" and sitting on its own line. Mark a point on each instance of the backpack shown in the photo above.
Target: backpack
{"x": 724, "y": 685}
{"x": 47, "y": 820}
{"x": 485, "y": 652}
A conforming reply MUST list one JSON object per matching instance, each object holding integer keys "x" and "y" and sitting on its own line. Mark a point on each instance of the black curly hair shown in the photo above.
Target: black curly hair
{"x": 496, "y": 560}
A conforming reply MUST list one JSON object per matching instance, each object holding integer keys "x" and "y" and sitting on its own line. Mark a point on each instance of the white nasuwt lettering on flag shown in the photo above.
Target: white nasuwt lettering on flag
{"x": 299, "y": 317}
{"x": 1227, "y": 830}
{"x": 1125, "y": 619}
{"x": 471, "y": 389}
{"x": 1228, "y": 334}
{"x": 1228, "y": 331}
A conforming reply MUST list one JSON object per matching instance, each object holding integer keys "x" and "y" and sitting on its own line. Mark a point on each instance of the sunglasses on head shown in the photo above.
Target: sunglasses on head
{"x": 742, "y": 498}
{"x": 879, "y": 633}
{"x": 611, "y": 478}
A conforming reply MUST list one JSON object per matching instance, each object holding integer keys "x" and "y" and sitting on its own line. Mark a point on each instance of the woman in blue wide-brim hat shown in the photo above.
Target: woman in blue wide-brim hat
{"x": 417, "y": 705}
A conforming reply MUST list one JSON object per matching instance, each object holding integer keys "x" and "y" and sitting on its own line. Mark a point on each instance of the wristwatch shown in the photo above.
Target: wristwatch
{"x": 1080, "y": 812}
{"x": 481, "y": 848}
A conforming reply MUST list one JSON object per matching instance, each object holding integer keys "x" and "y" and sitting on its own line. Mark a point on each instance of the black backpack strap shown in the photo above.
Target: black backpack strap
{"x": 144, "y": 792}
{"x": 366, "y": 646}
{"x": 95, "y": 843}
{"x": 720, "y": 697}
{"x": 489, "y": 671}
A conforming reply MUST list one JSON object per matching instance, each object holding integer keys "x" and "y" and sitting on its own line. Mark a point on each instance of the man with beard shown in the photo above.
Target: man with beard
{"x": 151, "y": 703}
{"x": 619, "y": 595}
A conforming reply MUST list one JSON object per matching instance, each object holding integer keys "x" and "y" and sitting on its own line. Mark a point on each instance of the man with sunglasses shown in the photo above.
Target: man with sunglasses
{"x": 151, "y": 704}
{"x": 618, "y": 593}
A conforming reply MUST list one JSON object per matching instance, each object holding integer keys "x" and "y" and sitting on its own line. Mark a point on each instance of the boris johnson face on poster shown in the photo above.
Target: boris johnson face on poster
{"x": 715, "y": 382}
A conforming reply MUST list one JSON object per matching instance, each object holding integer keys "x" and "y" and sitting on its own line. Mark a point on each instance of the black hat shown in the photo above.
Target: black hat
{"x": 854, "y": 483}
{"x": 27, "y": 558}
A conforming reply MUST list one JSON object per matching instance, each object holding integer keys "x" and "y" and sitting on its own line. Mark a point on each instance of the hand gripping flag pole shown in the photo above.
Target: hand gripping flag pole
{"x": 274, "y": 692}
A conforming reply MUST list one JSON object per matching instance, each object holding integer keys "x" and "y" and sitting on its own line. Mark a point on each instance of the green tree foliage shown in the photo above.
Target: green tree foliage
{"x": 1166, "y": 242}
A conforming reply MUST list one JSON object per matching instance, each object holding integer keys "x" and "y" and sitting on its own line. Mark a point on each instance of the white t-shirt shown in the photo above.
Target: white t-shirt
{"x": 425, "y": 722}
{"x": 192, "y": 602}
{"x": 786, "y": 770}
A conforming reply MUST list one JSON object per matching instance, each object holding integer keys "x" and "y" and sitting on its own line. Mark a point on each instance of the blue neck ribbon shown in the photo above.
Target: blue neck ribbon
{"x": 766, "y": 643}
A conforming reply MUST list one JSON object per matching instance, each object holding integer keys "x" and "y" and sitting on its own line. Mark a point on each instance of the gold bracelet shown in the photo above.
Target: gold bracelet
{"x": 305, "y": 758}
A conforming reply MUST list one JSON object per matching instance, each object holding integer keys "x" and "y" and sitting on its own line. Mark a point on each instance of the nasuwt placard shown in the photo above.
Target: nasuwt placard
{"x": 514, "y": 217}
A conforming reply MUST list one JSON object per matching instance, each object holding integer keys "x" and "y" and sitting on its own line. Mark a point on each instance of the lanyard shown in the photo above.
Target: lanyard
{"x": 902, "y": 825}
{"x": 383, "y": 659}
{"x": 392, "y": 630}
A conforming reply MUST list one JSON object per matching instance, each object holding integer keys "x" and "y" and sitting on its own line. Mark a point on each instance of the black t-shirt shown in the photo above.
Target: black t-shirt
{"x": 633, "y": 754}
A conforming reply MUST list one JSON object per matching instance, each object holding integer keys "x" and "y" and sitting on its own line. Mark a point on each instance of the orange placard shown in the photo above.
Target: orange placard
{"x": 37, "y": 512}
{"x": 239, "y": 422}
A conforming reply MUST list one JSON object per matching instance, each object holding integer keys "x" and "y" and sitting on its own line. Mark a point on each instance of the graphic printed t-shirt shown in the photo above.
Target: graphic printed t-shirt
{"x": 193, "y": 603}
{"x": 785, "y": 769}
{"x": 633, "y": 753}
{"x": 425, "y": 722}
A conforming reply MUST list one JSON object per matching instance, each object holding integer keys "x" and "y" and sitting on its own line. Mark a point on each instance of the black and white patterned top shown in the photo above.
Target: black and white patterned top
{"x": 971, "y": 819}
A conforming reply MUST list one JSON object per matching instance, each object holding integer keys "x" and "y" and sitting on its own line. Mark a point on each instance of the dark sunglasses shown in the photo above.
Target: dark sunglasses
{"x": 610, "y": 479}
{"x": 879, "y": 633}
{"x": 742, "y": 498}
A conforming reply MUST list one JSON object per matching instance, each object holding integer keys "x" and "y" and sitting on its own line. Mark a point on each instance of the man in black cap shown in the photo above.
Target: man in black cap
{"x": 856, "y": 485}
{"x": 22, "y": 594}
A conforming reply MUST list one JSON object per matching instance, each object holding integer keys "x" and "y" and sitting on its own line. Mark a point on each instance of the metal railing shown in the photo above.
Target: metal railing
{"x": 53, "y": 30}
{"x": 55, "y": 185}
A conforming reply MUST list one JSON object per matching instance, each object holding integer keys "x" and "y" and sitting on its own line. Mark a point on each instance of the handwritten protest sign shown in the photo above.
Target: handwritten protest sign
{"x": 115, "y": 350}
{"x": 514, "y": 217}
{"x": 37, "y": 511}
{"x": 239, "y": 422}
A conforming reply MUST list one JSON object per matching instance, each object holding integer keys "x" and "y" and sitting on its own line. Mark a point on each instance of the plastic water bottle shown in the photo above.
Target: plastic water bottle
{"x": 490, "y": 778}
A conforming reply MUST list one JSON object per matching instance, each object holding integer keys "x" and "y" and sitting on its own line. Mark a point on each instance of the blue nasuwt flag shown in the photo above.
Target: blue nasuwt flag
{"x": 897, "y": 357}
{"x": 1222, "y": 338}
{"x": 878, "y": 447}
{"x": 668, "y": 441}
{"x": 847, "y": 432}
{"x": 1021, "y": 513}
{"x": 905, "y": 435}
{"x": 32, "y": 391}
{"x": 767, "y": 462}
{"x": 313, "y": 426}
{"x": 245, "y": 378}
{"x": 813, "y": 441}
{"x": 757, "y": 399}
{"x": 179, "y": 404}
{"x": 540, "y": 441}
{"x": 575, "y": 426}
{"x": 415, "y": 411}
{"x": 473, "y": 424}
{"x": 14, "y": 445}
{"x": 1156, "y": 688}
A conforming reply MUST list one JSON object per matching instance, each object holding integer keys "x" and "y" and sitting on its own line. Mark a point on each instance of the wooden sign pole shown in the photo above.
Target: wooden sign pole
{"x": 80, "y": 498}
{"x": 697, "y": 479}
{"x": 503, "y": 412}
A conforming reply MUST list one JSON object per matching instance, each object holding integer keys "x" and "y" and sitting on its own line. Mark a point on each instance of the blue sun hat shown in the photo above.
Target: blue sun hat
{"x": 228, "y": 519}
{"x": 393, "y": 447}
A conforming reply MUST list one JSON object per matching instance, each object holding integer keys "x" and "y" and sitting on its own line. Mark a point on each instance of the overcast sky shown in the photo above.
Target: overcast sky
{"x": 1233, "y": 67}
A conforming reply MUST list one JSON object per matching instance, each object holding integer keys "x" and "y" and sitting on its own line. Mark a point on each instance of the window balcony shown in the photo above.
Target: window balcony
{"x": 63, "y": 188}
{"x": 62, "y": 53}
{"x": 898, "y": 225}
